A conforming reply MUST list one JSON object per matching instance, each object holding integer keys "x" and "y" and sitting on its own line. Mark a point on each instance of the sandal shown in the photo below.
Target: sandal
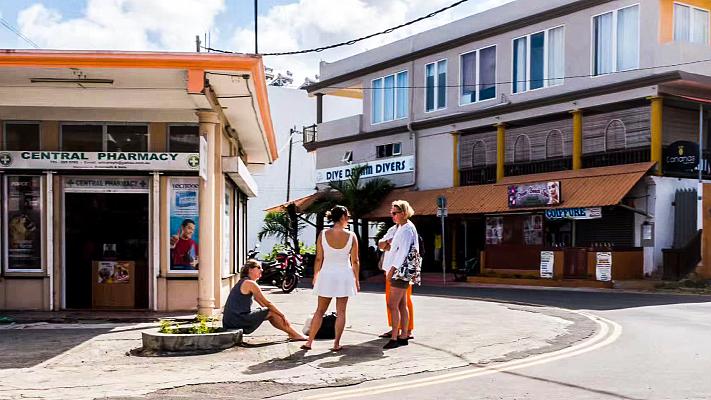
{"x": 391, "y": 344}
{"x": 297, "y": 339}
{"x": 336, "y": 349}
{"x": 386, "y": 334}
{"x": 305, "y": 347}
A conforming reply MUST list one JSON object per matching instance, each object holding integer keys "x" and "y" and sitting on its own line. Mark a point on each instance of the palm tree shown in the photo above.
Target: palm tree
{"x": 278, "y": 224}
{"x": 360, "y": 198}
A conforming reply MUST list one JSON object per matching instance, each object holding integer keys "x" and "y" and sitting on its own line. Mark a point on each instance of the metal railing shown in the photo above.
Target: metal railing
{"x": 538, "y": 167}
{"x": 310, "y": 134}
{"x": 478, "y": 175}
{"x": 619, "y": 157}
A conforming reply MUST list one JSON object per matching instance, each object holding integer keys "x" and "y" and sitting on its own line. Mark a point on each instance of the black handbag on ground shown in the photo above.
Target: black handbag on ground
{"x": 328, "y": 327}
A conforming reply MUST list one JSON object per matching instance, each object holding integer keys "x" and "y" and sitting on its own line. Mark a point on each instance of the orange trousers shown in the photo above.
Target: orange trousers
{"x": 411, "y": 324}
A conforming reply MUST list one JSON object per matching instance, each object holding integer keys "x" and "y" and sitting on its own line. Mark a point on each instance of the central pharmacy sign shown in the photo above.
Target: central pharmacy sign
{"x": 104, "y": 160}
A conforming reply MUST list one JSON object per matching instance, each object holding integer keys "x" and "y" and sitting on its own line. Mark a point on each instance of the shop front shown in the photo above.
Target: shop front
{"x": 112, "y": 202}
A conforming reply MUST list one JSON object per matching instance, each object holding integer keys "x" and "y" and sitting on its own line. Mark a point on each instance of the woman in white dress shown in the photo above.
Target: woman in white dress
{"x": 335, "y": 273}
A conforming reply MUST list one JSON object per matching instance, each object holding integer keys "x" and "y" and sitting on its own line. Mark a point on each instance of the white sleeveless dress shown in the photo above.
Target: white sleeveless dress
{"x": 336, "y": 276}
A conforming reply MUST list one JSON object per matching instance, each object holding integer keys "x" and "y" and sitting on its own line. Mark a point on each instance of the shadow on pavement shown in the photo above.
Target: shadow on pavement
{"x": 24, "y": 348}
{"x": 349, "y": 356}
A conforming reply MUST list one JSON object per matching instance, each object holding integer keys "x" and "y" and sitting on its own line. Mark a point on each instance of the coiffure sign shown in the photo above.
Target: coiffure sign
{"x": 574, "y": 213}
{"x": 390, "y": 166}
{"x": 74, "y": 160}
{"x": 534, "y": 194}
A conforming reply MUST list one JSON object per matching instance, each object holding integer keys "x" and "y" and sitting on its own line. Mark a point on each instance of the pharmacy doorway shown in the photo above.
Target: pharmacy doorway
{"x": 106, "y": 243}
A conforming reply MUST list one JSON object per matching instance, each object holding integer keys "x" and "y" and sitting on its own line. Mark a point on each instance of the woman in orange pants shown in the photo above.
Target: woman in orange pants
{"x": 411, "y": 324}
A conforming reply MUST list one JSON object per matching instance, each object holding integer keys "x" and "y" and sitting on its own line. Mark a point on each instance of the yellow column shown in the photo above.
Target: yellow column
{"x": 577, "y": 139}
{"x": 656, "y": 132}
{"x": 500, "y": 150}
{"x": 206, "y": 256}
{"x": 455, "y": 159}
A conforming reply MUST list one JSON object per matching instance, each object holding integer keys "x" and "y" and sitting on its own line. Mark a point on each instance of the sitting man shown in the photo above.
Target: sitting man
{"x": 238, "y": 312}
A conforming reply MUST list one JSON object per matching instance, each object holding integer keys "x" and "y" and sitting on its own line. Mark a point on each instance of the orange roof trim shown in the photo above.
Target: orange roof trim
{"x": 123, "y": 59}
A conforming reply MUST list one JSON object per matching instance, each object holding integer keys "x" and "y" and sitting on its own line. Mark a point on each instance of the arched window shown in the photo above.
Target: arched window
{"x": 479, "y": 154}
{"x": 554, "y": 144}
{"x": 522, "y": 149}
{"x": 615, "y": 135}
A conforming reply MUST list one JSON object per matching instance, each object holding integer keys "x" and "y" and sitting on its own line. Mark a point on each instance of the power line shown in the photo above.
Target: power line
{"x": 12, "y": 29}
{"x": 353, "y": 41}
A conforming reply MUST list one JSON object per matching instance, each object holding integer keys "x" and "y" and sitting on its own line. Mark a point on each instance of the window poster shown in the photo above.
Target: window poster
{"x": 533, "y": 230}
{"x": 184, "y": 224}
{"x": 24, "y": 223}
{"x": 494, "y": 230}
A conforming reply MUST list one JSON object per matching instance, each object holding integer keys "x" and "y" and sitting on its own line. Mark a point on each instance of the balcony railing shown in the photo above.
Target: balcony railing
{"x": 538, "y": 167}
{"x": 477, "y": 175}
{"x": 627, "y": 156}
{"x": 310, "y": 134}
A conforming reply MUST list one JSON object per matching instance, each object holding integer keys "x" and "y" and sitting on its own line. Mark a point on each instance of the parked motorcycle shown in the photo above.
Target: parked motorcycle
{"x": 284, "y": 272}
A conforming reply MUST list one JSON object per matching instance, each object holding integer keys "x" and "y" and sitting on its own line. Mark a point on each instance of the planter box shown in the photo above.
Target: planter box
{"x": 155, "y": 341}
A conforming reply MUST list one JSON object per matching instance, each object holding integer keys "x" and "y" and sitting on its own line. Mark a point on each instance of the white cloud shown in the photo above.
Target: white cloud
{"x": 122, "y": 24}
{"x": 314, "y": 23}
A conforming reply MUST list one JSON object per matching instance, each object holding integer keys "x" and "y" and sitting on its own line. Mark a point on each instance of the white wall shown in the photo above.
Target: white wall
{"x": 291, "y": 107}
{"x": 662, "y": 193}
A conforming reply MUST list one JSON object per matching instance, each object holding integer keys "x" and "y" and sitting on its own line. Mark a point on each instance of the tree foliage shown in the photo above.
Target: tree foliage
{"x": 277, "y": 224}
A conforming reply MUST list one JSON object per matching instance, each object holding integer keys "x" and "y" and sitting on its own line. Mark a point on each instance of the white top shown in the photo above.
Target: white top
{"x": 336, "y": 277}
{"x": 403, "y": 236}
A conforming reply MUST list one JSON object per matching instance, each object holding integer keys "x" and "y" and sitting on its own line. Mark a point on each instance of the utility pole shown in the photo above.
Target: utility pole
{"x": 288, "y": 175}
{"x": 256, "y": 42}
{"x": 197, "y": 43}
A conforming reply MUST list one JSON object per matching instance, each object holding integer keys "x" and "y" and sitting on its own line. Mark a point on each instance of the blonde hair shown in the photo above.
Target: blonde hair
{"x": 405, "y": 207}
{"x": 248, "y": 265}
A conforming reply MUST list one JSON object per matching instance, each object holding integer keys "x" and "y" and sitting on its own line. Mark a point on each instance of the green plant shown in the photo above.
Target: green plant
{"x": 166, "y": 326}
{"x": 279, "y": 225}
{"x": 202, "y": 326}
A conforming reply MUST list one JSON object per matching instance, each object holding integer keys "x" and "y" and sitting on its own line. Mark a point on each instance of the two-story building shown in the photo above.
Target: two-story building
{"x": 124, "y": 177}
{"x": 565, "y": 127}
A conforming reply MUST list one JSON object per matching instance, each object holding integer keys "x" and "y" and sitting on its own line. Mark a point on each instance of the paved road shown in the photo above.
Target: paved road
{"x": 662, "y": 350}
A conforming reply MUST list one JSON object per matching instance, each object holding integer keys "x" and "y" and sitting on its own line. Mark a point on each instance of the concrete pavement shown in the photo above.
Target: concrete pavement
{"x": 93, "y": 360}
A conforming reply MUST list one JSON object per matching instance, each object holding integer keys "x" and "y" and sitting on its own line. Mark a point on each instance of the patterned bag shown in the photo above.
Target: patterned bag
{"x": 410, "y": 269}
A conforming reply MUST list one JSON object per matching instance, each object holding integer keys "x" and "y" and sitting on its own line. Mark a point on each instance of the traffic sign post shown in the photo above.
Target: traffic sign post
{"x": 442, "y": 214}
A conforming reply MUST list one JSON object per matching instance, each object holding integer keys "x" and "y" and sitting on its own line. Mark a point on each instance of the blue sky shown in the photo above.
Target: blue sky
{"x": 171, "y": 25}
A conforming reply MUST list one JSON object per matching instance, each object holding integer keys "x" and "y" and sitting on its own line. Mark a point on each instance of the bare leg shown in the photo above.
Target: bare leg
{"x": 282, "y": 324}
{"x": 341, "y": 303}
{"x": 317, "y": 319}
{"x": 396, "y": 296}
{"x": 404, "y": 317}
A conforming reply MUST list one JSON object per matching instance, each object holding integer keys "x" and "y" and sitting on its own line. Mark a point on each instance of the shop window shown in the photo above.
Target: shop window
{"x": 387, "y": 150}
{"x": 20, "y": 136}
{"x": 478, "y": 75}
{"x": 184, "y": 138}
{"x": 691, "y": 24}
{"x": 615, "y": 135}
{"x": 114, "y": 138}
{"x": 23, "y": 223}
{"x": 554, "y": 144}
{"x": 479, "y": 154}
{"x": 522, "y": 149}
{"x": 436, "y": 85}
{"x": 616, "y": 41}
{"x": 127, "y": 138}
{"x": 538, "y": 60}
{"x": 82, "y": 137}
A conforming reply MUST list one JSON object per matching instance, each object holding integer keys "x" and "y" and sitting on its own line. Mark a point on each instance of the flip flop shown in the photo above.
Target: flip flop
{"x": 305, "y": 347}
{"x": 337, "y": 349}
{"x": 296, "y": 340}
{"x": 386, "y": 334}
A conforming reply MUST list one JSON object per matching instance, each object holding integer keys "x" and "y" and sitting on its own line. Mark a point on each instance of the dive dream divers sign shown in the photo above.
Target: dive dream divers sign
{"x": 390, "y": 166}
{"x": 99, "y": 160}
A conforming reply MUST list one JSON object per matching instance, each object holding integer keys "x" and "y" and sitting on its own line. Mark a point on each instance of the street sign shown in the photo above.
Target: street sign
{"x": 442, "y": 202}
{"x": 441, "y": 212}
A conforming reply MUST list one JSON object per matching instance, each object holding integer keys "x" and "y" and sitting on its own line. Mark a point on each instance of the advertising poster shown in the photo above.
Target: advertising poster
{"x": 494, "y": 230}
{"x": 533, "y": 230}
{"x": 603, "y": 266}
{"x": 547, "y": 259}
{"x": 113, "y": 272}
{"x": 534, "y": 194}
{"x": 24, "y": 223}
{"x": 184, "y": 224}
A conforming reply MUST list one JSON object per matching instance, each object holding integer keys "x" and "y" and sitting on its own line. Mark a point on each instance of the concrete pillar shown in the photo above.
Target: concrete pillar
{"x": 656, "y": 132}
{"x": 207, "y": 259}
{"x": 500, "y": 150}
{"x": 577, "y": 139}
{"x": 455, "y": 159}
